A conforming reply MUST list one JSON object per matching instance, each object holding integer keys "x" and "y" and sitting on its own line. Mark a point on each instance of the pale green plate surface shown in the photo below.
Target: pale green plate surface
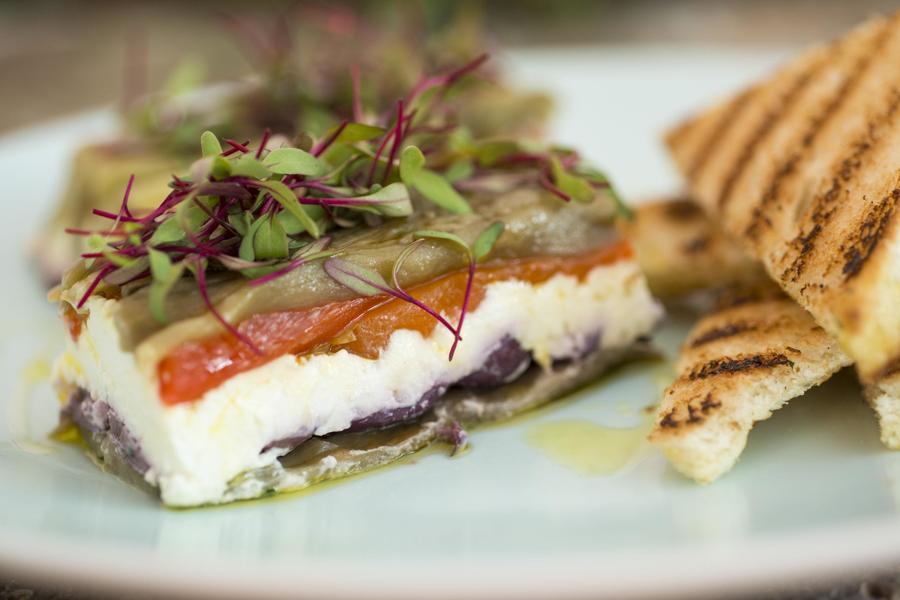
{"x": 814, "y": 495}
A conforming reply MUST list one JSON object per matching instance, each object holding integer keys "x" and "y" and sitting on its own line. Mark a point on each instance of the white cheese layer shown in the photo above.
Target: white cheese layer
{"x": 196, "y": 448}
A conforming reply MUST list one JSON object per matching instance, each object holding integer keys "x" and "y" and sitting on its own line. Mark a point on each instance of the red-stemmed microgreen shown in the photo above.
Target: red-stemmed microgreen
{"x": 395, "y": 145}
{"x": 474, "y": 253}
{"x": 329, "y": 139}
{"x": 264, "y": 210}
{"x": 197, "y": 266}
{"x": 445, "y": 80}
{"x": 395, "y": 135}
{"x": 368, "y": 282}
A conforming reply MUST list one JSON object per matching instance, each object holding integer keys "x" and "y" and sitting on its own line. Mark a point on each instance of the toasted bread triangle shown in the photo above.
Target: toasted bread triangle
{"x": 738, "y": 365}
{"x": 682, "y": 251}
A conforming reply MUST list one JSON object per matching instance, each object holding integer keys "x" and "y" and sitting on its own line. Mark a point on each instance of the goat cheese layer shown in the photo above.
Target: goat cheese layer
{"x": 195, "y": 448}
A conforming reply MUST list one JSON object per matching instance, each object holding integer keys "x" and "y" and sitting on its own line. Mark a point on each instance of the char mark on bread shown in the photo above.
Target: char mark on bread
{"x": 728, "y": 365}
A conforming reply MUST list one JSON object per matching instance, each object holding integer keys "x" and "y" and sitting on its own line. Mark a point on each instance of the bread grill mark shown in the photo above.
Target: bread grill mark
{"x": 721, "y": 332}
{"x": 758, "y": 214}
{"x": 772, "y": 118}
{"x": 698, "y": 244}
{"x": 869, "y": 233}
{"x": 825, "y": 205}
{"x": 803, "y": 244}
{"x": 683, "y": 209}
{"x": 789, "y": 166}
{"x": 742, "y": 295}
{"x": 726, "y": 120}
{"x": 695, "y": 413}
{"x": 729, "y": 366}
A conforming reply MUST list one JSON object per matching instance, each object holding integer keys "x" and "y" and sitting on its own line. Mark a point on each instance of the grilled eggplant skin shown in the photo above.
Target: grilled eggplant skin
{"x": 536, "y": 224}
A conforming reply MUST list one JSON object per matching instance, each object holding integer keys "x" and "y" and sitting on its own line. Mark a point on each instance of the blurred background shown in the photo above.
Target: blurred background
{"x": 58, "y": 56}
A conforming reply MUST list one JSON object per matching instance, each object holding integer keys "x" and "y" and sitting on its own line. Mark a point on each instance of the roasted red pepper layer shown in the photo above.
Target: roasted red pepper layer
{"x": 362, "y": 326}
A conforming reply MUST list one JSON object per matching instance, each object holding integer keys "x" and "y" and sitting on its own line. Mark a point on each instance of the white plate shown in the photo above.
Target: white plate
{"x": 815, "y": 495}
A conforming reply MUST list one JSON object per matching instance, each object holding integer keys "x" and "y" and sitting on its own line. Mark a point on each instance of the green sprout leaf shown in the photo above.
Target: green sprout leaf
{"x": 248, "y": 166}
{"x": 444, "y": 235}
{"x": 344, "y": 145}
{"x": 293, "y": 161}
{"x": 249, "y": 269}
{"x": 430, "y": 184}
{"x": 286, "y": 198}
{"x": 190, "y": 216}
{"x": 209, "y": 144}
{"x": 485, "y": 241}
{"x": 270, "y": 241}
{"x": 575, "y": 187}
{"x": 98, "y": 243}
{"x": 313, "y": 248}
{"x": 390, "y": 201}
{"x": 246, "y": 251}
{"x": 356, "y": 132}
{"x": 241, "y": 222}
{"x": 220, "y": 168}
{"x": 290, "y": 223}
{"x": 491, "y": 152}
{"x": 459, "y": 171}
{"x": 165, "y": 274}
{"x": 362, "y": 280}
{"x": 168, "y": 231}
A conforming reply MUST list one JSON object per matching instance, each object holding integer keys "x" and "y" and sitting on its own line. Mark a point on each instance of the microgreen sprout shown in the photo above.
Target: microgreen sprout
{"x": 368, "y": 282}
{"x": 263, "y": 209}
{"x": 478, "y": 251}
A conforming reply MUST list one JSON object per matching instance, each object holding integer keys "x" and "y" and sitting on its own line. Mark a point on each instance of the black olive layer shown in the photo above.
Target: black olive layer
{"x": 507, "y": 385}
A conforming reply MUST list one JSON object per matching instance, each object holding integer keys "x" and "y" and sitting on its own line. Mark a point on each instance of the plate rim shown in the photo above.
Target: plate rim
{"x": 825, "y": 555}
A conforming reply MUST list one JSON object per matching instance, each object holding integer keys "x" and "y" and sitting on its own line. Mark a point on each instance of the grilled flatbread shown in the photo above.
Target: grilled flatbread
{"x": 682, "y": 251}
{"x": 804, "y": 169}
{"x": 737, "y": 366}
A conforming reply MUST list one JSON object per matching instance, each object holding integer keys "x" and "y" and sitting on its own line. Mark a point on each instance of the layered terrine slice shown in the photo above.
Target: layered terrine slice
{"x": 289, "y": 315}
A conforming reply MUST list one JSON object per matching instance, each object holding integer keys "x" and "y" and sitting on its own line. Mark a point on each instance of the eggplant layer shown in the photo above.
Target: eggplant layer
{"x": 507, "y": 385}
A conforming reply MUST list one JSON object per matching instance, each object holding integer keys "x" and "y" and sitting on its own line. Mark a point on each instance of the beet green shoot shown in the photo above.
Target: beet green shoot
{"x": 261, "y": 209}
